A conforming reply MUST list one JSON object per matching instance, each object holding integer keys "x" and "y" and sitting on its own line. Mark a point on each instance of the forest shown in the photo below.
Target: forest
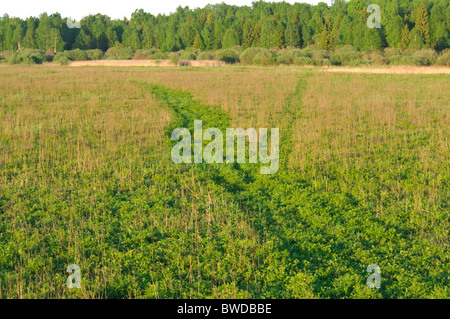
{"x": 405, "y": 25}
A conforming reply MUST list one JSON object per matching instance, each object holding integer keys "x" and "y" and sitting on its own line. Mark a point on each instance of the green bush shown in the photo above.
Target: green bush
{"x": 344, "y": 49}
{"x": 284, "y": 59}
{"x": 390, "y": 52}
{"x": 296, "y": 53}
{"x": 76, "y": 55}
{"x": 13, "y": 59}
{"x": 237, "y": 49}
{"x": 322, "y": 62}
{"x": 35, "y": 58}
{"x": 396, "y": 59}
{"x": 205, "y": 56}
{"x": 158, "y": 56}
{"x": 140, "y": 56}
{"x": 174, "y": 57}
{"x": 248, "y": 55}
{"x": 359, "y": 62}
{"x": 227, "y": 55}
{"x": 188, "y": 56}
{"x": 4, "y": 56}
{"x": 444, "y": 58}
{"x": 143, "y": 54}
{"x": 316, "y": 53}
{"x": 428, "y": 54}
{"x": 264, "y": 57}
{"x": 61, "y": 58}
{"x": 301, "y": 60}
{"x": 49, "y": 55}
{"x": 345, "y": 57}
{"x": 190, "y": 49}
{"x": 376, "y": 58}
{"x": 26, "y": 56}
{"x": 119, "y": 53}
{"x": 408, "y": 60}
{"x": 95, "y": 54}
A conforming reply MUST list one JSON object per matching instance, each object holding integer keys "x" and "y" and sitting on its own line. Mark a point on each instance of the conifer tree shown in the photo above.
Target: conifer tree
{"x": 372, "y": 40}
{"x": 18, "y": 34}
{"x": 82, "y": 41}
{"x": 247, "y": 34}
{"x": 326, "y": 35}
{"x": 112, "y": 37}
{"x": 394, "y": 28}
{"x": 307, "y": 35}
{"x": 197, "y": 42}
{"x": 30, "y": 34}
{"x": 292, "y": 36}
{"x": 148, "y": 41}
{"x": 441, "y": 38}
{"x": 422, "y": 24}
{"x": 256, "y": 34}
{"x": 208, "y": 39}
{"x": 334, "y": 39}
{"x": 230, "y": 39}
{"x": 345, "y": 32}
{"x": 278, "y": 37}
{"x": 404, "y": 41}
{"x": 415, "y": 40}
{"x": 207, "y": 33}
{"x": 267, "y": 32}
{"x": 219, "y": 31}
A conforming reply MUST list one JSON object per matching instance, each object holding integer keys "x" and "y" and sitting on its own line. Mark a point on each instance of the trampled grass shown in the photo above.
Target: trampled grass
{"x": 86, "y": 178}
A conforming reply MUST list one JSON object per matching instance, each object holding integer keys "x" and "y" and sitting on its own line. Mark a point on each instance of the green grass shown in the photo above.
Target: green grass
{"x": 86, "y": 178}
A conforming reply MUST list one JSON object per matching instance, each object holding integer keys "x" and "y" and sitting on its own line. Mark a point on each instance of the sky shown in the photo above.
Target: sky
{"x": 116, "y": 10}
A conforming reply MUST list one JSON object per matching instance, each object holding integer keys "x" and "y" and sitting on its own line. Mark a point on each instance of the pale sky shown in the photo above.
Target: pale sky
{"x": 116, "y": 10}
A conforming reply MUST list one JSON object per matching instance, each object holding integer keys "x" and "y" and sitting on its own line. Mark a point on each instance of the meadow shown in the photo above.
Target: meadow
{"x": 86, "y": 178}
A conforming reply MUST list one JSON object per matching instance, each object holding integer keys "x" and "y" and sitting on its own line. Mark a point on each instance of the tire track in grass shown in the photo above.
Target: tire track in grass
{"x": 244, "y": 184}
{"x": 320, "y": 242}
{"x": 280, "y": 207}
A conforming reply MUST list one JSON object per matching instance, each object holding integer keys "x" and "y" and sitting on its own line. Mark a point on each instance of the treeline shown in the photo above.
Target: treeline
{"x": 405, "y": 24}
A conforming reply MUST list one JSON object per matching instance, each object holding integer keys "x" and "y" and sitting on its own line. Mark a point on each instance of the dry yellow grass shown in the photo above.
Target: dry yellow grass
{"x": 63, "y": 129}
{"x": 253, "y": 97}
{"x": 160, "y": 63}
{"x": 74, "y": 141}
{"x": 384, "y": 127}
{"x": 85, "y": 177}
{"x": 396, "y": 69}
{"x": 390, "y": 70}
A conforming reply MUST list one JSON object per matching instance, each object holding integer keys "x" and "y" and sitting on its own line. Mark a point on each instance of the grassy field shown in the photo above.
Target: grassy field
{"x": 86, "y": 178}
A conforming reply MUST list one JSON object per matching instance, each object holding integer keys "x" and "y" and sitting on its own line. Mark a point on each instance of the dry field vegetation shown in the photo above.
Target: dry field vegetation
{"x": 86, "y": 178}
{"x": 135, "y": 63}
{"x": 391, "y": 70}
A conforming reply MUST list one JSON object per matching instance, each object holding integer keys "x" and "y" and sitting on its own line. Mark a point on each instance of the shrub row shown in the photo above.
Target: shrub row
{"x": 346, "y": 55}
{"x": 77, "y": 55}
{"x": 311, "y": 55}
{"x": 26, "y": 56}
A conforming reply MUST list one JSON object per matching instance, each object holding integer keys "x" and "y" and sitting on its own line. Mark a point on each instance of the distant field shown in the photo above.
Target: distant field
{"x": 86, "y": 178}
{"x": 392, "y": 70}
{"x": 206, "y": 63}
